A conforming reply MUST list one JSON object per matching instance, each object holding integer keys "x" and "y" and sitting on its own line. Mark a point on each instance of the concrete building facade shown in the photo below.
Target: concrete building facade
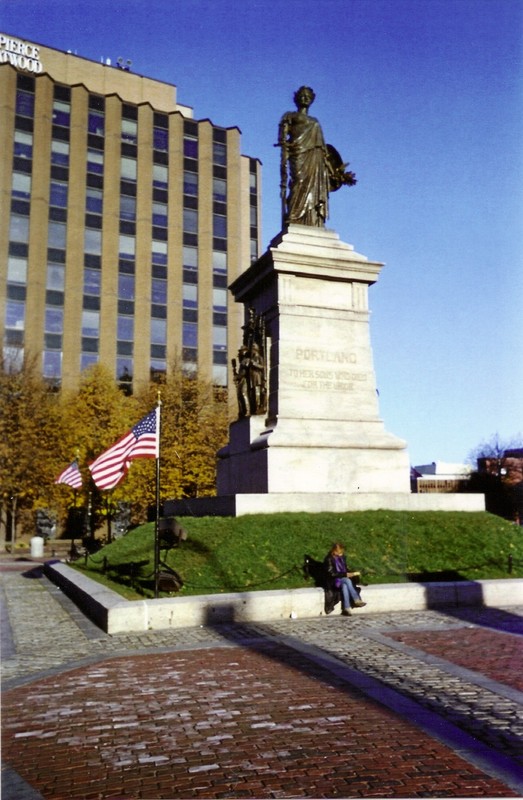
{"x": 123, "y": 220}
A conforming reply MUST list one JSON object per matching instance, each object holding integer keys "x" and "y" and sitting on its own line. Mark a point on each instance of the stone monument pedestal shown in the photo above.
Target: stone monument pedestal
{"x": 321, "y": 446}
{"x": 322, "y": 432}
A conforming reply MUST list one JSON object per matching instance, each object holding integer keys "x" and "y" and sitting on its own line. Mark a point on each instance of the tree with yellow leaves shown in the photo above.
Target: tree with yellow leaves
{"x": 41, "y": 432}
{"x": 29, "y": 430}
{"x": 194, "y": 420}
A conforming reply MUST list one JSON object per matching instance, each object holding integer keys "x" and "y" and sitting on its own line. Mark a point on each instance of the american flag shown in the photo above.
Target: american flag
{"x": 71, "y": 475}
{"x": 142, "y": 441}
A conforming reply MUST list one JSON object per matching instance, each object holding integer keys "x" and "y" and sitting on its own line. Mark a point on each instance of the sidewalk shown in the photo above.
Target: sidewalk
{"x": 404, "y": 704}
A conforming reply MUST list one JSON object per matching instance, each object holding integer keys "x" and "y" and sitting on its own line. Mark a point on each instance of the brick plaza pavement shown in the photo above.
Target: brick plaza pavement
{"x": 418, "y": 704}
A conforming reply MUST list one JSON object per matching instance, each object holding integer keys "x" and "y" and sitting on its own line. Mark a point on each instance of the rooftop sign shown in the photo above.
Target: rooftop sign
{"x": 19, "y": 54}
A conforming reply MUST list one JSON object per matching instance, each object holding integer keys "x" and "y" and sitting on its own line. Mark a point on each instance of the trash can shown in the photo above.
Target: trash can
{"x": 37, "y": 547}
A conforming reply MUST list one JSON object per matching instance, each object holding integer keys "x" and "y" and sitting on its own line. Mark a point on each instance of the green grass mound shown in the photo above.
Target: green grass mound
{"x": 225, "y": 554}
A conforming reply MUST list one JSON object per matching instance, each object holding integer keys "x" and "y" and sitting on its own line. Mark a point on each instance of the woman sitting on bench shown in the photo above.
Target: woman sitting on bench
{"x": 340, "y": 575}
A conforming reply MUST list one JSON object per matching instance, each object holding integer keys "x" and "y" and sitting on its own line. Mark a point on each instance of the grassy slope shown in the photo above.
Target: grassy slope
{"x": 266, "y": 551}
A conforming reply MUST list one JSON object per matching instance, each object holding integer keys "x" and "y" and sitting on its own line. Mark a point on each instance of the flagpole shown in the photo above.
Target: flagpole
{"x": 157, "y": 517}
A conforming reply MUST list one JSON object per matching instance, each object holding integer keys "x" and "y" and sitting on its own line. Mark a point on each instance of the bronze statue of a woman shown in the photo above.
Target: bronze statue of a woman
{"x": 310, "y": 169}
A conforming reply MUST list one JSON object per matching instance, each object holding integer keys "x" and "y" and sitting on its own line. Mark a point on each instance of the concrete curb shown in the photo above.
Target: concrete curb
{"x": 113, "y": 614}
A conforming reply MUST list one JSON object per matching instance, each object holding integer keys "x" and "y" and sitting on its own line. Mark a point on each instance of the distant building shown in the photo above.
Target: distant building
{"x": 504, "y": 477}
{"x": 508, "y": 466}
{"x": 440, "y": 476}
{"x": 123, "y": 220}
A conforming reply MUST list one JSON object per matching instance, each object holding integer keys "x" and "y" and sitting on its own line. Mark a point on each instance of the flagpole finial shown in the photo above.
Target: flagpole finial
{"x": 159, "y": 397}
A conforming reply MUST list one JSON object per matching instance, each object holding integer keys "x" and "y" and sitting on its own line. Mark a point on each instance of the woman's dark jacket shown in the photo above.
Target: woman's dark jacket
{"x": 332, "y": 573}
{"x": 336, "y": 568}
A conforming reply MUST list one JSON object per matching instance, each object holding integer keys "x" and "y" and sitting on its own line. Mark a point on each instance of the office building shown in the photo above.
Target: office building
{"x": 123, "y": 220}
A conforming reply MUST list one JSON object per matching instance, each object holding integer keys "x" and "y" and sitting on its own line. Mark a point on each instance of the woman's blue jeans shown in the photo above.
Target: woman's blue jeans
{"x": 348, "y": 592}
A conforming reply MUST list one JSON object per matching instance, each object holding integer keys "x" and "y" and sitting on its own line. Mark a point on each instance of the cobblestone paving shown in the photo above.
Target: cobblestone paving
{"x": 386, "y": 705}
{"x": 490, "y": 711}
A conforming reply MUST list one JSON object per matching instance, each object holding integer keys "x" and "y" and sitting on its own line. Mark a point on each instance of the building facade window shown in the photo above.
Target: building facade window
{"x": 160, "y": 215}
{"x": 160, "y": 176}
{"x": 190, "y": 184}
{"x": 53, "y": 344}
{"x": 61, "y": 110}
{"x": 190, "y": 147}
{"x": 25, "y": 103}
{"x": 219, "y": 262}
{"x": 23, "y": 144}
{"x": 219, "y": 153}
{"x": 87, "y": 360}
{"x": 160, "y": 139}
{"x": 92, "y": 276}
{"x": 90, "y": 337}
{"x": 55, "y": 285}
{"x": 14, "y": 323}
{"x": 125, "y": 330}
{"x": 127, "y": 247}
{"x": 125, "y": 325}
{"x": 219, "y": 190}
{"x": 128, "y": 169}
{"x": 219, "y": 307}
{"x": 190, "y": 258}
{"x": 95, "y": 161}
{"x": 190, "y": 295}
{"x": 219, "y": 299}
{"x": 58, "y": 194}
{"x": 219, "y": 226}
{"x": 93, "y": 241}
{"x": 16, "y": 270}
{"x": 96, "y": 115}
{"x": 54, "y": 320}
{"x": 19, "y": 229}
{"x": 253, "y": 200}
{"x": 52, "y": 365}
{"x": 92, "y": 282}
{"x": 17, "y": 262}
{"x": 55, "y": 277}
{"x": 124, "y": 374}
{"x": 159, "y": 252}
{"x": 125, "y": 287}
{"x": 94, "y": 201}
{"x": 128, "y": 207}
{"x": 158, "y": 355}
{"x": 21, "y": 186}
{"x": 190, "y": 346}
{"x": 159, "y": 291}
{"x": 91, "y": 326}
{"x": 158, "y": 331}
{"x": 190, "y": 220}
{"x": 61, "y": 113}
{"x": 59, "y": 153}
{"x": 130, "y": 131}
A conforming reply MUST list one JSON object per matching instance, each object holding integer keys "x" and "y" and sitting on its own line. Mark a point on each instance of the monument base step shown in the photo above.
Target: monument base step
{"x": 237, "y": 505}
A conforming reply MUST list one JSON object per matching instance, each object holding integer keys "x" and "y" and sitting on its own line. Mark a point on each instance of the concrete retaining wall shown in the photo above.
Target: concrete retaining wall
{"x": 115, "y": 615}
{"x": 238, "y": 505}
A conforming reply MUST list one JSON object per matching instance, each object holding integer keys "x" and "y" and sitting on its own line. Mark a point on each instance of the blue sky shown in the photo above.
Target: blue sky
{"x": 425, "y": 99}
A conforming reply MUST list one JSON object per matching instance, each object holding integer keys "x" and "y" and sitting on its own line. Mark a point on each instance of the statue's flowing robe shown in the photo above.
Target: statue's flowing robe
{"x": 308, "y": 199}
